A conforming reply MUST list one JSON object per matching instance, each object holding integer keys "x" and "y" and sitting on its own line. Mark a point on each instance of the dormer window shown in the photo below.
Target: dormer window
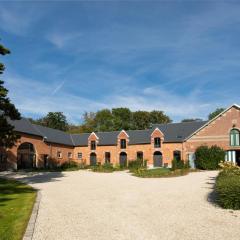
{"x": 93, "y": 145}
{"x": 157, "y": 142}
{"x": 123, "y": 143}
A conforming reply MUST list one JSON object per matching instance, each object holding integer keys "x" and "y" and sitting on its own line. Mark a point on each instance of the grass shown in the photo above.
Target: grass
{"x": 160, "y": 172}
{"x": 16, "y": 203}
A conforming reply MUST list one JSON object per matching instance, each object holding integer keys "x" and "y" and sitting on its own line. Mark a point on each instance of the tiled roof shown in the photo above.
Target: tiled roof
{"x": 173, "y": 132}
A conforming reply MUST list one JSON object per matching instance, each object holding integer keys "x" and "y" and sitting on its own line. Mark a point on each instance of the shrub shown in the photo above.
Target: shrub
{"x": 106, "y": 167}
{"x": 136, "y": 164}
{"x": 179, "y": 164}
{"x": 70, "y": 166}
{"x": 209, "y": 158}
{"x": 228, "y": 188}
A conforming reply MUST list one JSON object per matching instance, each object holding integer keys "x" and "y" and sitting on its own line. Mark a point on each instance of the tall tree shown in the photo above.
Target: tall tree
{"x": 215, "y": 113}
{"x": 56, "y": 120}
{"x": 103, "y": 120}
{"x": 159, "y": 117}
{"x": 7, "y": 111}
{"x": 122, "y": 118}
{"x": 141, "y": 120}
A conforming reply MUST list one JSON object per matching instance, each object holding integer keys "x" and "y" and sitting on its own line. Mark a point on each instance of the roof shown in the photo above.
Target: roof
{"x": 50, "y": 134}
{"x": 210, "y": 121}
{"x": 173, "y": 132}
{"x": 178, "y": 132}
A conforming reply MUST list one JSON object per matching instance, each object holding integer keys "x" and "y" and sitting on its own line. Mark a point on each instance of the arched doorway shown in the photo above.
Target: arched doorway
{"x": 123, "y": 159}
{"x": 157, "y": 159}
{"x": 93, "y": 159}
{"x": 26, "y": 156}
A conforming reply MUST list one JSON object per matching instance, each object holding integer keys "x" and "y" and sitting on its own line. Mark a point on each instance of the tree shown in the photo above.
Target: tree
{"x": 141, "y": 120}
{"x": 7, "y": 111}
{"x": 215, "y": 113}
{"x": 56, "y": 120}
{"x": 88, "y": 122}
{"x": 192, "y": 120}
{"x": 103, "y": 120}
{"x": 122, "y": 118}
{"x": 159, "y": 117}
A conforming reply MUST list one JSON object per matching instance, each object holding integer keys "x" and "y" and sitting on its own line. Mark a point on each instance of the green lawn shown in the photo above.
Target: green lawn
{"x": 16, "y": 203}
{"x": 160, "y": 172}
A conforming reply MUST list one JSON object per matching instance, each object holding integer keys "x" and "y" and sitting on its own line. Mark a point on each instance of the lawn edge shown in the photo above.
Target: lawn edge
{"x": 28, "y": 235}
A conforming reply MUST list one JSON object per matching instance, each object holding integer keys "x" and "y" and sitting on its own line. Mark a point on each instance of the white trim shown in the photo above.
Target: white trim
{"x": 157, "y": 129}
{"x": 93, "y": 133}
{"x": 123, "y": 132}
{"x": 210, "y": 121}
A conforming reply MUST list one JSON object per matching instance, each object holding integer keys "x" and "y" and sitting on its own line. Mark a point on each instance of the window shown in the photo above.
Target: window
{"x": 234, "y": 137}
{"x": 107, "y": 157}
{"x": 123, "y": 143}
{"x": 177, "y": 155}
{"x": 140, "y": 156}
{"x": 93, "y": 145}
{"x": 157, "y": 142}
{"x": 69, "y": 155}
{"x": 59, "y": 154}
{"x": 79, "y": 155}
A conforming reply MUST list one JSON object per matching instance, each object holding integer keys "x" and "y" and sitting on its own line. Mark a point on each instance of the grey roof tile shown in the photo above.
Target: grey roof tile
{"x": 173, "y": 132}
{"x": 178, "y": 132}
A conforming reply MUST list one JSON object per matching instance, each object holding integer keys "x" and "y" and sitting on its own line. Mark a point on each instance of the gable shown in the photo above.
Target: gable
{"x": 218, "y": 128}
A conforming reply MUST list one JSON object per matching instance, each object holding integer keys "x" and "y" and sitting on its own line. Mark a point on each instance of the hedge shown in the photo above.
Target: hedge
{"x": 228, "y": 189}
{"x": 209, "y": 158}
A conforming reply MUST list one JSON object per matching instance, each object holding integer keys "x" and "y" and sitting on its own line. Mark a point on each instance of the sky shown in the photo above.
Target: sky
{"x": 181, "y": 57}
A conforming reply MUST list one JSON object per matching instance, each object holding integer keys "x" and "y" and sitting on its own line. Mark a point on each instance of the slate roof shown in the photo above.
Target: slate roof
{"x": 173, "y": 132}
{"x": 178, "y": 132}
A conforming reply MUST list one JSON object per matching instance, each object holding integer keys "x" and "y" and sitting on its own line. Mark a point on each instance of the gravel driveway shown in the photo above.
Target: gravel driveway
{"x": 87, "y": 205}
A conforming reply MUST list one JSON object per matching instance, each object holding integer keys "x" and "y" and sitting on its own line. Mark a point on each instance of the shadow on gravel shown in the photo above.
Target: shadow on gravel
{"x": 212, "y": 196}
{"x": 34, "y": 177}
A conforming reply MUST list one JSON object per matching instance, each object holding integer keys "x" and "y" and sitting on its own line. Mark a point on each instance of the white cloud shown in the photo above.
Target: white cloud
{"x": 17, "y": 19}
{"x": 35, "y": 98}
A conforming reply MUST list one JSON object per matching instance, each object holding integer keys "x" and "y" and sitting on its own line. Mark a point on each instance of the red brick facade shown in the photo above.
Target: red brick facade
{"x": 216, "y": 132}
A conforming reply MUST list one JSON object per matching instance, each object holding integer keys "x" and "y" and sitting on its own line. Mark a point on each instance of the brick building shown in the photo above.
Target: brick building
{"x": 41, "y": 146}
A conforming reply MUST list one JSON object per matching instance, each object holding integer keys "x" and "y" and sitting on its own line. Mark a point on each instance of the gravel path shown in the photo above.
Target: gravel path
{"x": 87, "y": 205}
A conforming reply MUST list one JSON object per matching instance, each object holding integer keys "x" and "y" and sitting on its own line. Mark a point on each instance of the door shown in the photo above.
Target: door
{"x": 93, "y": 159}
{"x": 123, "y": 159}
{"x": 191, "y": 159}
{"x": 157, "y": 159}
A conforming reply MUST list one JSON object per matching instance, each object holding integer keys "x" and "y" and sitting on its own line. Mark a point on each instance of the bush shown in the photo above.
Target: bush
{"x": 209, "y": 158}
{"x": 177, "y": 164}
{"x": 136, "y": 164}
{"x": 228, "y": 188}
{"x": 70, "y": 166}
{"x": 106, "y": 167}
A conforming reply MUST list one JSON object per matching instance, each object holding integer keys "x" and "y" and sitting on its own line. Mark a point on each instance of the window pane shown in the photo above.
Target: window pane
{"x": 157, "y": 142}
{"x": 93, "y": 145}
{"x": 123, "y": 143}
{"x": 107, "y": 157}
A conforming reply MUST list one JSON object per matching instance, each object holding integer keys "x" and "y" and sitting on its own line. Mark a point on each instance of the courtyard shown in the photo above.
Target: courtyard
{"x": 88, "y": 205}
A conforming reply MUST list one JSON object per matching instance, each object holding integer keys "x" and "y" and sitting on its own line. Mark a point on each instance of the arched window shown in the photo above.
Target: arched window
{"x": 234, "y": 137}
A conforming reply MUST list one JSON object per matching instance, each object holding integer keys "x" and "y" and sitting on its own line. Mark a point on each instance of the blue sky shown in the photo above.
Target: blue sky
{"x": 182, "y": 57}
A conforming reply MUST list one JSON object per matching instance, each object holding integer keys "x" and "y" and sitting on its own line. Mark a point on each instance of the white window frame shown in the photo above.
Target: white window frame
{"x": 79, "y": 155}
{"x": 59, "y": 154}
